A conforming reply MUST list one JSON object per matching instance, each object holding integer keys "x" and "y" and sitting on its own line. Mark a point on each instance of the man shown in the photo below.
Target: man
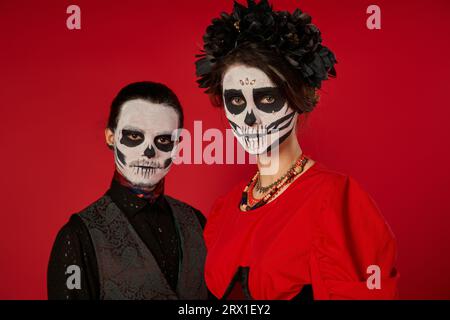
{"x": 135, "y": 242}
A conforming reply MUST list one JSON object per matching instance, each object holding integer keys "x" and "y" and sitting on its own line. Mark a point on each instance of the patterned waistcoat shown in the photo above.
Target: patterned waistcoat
{"x": 127, "y": 268}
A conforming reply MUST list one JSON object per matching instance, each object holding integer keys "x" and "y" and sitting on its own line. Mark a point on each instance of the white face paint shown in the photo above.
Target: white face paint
{"x": 256, "y": 109}
{"x": 145, "y": 141}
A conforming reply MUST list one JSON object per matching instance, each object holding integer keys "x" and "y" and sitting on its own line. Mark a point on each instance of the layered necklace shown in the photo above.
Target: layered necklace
{"x": 249, "y": 202}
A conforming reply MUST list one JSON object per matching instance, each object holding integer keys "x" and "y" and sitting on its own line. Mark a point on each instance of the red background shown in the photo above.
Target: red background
{"x": 384, "y": 120}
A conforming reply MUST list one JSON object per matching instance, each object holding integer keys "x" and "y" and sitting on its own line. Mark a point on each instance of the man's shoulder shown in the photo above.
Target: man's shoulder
{"x": 181, "y": 205}
{"x": 98, "y": 207}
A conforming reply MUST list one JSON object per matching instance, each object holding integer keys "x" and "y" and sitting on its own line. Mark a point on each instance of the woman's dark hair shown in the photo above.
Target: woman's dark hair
{"x": 300, "y": 96}
{"x": 286, "y": 46}
{"x": 149, "y": 91}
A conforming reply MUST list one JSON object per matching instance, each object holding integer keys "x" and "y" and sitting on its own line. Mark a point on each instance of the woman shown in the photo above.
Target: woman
{"x": 299, "y": 230}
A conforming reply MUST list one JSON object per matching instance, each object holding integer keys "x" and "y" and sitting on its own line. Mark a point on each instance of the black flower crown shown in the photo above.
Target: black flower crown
{"x": 292, "y": 35}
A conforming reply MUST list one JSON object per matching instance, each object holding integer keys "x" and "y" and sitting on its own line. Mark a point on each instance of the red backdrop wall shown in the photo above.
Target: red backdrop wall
{"x": 384, "y": 120}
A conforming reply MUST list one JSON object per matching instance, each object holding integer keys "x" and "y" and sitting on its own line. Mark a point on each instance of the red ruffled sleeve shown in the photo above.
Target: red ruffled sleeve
{"x": 350, "y": 235}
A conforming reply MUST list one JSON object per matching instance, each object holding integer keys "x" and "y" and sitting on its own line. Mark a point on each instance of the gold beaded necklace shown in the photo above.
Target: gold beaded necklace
{"x": 248, "y": 202}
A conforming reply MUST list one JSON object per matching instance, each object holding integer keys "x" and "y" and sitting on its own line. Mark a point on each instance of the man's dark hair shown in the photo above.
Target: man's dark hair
{"x": 148, "y": 91}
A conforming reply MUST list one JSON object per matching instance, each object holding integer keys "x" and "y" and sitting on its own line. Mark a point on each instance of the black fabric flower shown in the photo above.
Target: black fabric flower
{"x": 291, "y": 34}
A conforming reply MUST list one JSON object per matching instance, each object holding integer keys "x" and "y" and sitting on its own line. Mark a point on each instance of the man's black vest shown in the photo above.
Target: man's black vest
{"x": 127, "y": 268}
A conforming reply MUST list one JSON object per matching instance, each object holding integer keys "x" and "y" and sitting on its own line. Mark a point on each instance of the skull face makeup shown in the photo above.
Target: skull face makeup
{"x": 258, "y": 112}
{"x": 144, "y": 141}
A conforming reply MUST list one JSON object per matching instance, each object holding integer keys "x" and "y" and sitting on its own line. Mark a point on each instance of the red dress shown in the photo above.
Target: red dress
{"x": 324, "y": 230}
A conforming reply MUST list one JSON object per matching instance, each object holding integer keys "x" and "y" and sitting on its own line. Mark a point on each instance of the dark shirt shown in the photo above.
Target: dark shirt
{"x": 153, "y": 223}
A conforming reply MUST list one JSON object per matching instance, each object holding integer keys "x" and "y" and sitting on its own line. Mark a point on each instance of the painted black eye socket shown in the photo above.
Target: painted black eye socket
{"x": 234, "y": 101}
{"x": 269, "y": 99}
{"x": 131, "y": 138}
{"x": 164, "y": 142}
{"x": 134, "y": 136}
{"x": 237, "y": 101}
{"x": 163, "y": 139}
